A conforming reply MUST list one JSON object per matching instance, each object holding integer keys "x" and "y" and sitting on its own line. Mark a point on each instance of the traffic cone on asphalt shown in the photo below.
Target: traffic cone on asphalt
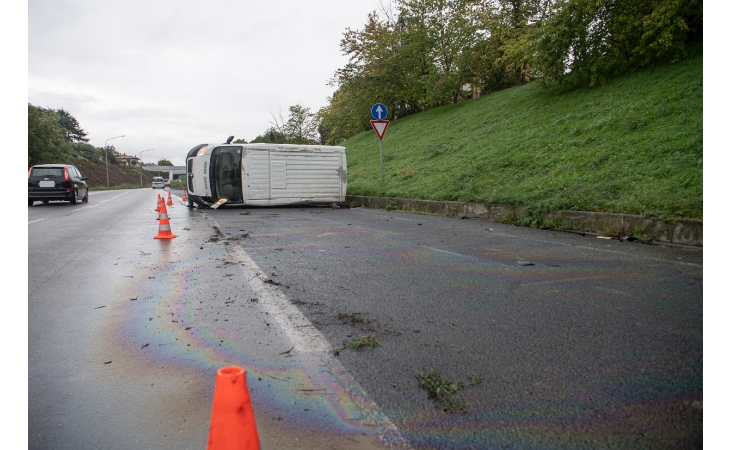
{"x": 232, "y": 424}
{"x": 169, "y": 198}
{"x": 185, "y": 195}
{"x": 159, "y": 201}
{"x": 164, "y": 231}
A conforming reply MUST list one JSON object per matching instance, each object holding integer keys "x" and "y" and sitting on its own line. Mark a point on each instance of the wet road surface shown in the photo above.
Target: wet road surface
{"x": 577, "y": 341}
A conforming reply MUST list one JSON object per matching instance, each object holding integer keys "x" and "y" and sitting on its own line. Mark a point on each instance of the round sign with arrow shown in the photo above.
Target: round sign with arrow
{"x": 379, "y": 111}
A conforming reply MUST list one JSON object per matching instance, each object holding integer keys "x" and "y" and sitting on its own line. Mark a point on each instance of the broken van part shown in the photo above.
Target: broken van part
{"x": 265, "y": 174}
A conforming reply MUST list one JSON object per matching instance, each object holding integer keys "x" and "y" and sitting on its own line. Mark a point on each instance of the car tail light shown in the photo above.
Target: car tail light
{"x": 65, "y": 174}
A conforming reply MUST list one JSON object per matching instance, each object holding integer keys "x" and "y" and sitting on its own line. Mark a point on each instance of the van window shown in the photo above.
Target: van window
{"x": 228, "y": 182}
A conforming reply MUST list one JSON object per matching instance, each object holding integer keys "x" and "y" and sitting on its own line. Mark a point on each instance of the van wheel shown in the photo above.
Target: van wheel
{"x": 74, "y": 200}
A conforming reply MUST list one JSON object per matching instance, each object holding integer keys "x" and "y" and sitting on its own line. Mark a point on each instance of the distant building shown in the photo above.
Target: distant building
{"x": 127, "y": 160}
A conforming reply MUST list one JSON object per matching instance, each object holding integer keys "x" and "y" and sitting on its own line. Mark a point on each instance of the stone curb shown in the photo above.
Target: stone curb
{"x": 683, "y": 232}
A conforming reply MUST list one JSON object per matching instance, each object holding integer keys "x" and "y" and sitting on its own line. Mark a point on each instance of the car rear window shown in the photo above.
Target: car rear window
{"x": 47, "y": 172}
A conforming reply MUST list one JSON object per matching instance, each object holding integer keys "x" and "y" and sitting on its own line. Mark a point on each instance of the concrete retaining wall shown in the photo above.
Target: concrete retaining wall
{"x": 684, "y": 232}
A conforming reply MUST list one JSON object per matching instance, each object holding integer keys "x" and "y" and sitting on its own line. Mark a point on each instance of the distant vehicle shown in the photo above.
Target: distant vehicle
{"x": 158, "y": 182}
{"x": 166, "y": 181}
{"x": 48, "y": 182}
{"x": 265, "y": 174}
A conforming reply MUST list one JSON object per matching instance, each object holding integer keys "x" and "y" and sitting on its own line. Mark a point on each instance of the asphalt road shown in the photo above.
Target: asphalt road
{"x": 576, "y": 341}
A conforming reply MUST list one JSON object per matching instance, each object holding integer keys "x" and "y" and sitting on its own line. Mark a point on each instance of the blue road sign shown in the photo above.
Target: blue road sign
{"x": 379, "y": 111}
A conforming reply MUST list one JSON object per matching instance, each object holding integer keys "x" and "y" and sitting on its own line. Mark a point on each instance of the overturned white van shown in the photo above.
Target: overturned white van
{"x": 265, "y": 174}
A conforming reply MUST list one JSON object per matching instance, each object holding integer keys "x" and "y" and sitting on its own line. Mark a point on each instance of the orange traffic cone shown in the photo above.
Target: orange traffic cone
{"x": 159, "y": 200}
{"x": 164, "y": 232}
{"x": 232, "y": 424}
{"x": 169, "y": 198}
{"x": 185, "y": 195}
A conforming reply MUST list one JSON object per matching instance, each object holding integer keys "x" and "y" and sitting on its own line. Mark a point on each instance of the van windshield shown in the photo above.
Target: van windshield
{"x": 228, "y": 174}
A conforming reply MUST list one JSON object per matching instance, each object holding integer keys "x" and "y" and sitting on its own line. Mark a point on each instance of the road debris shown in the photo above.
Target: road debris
{"x": 99, "y": 307}
{"x": 288, "y": 352}
{"x": 145, "y": 345}
{"x": 443, "y": 391}
{"x": 525, "y": 263}
{"x": 219, "y": 203}
{"x": 133, "y": 299}
{"x": 369, "y": 341}
{"x": 107, "y": 362}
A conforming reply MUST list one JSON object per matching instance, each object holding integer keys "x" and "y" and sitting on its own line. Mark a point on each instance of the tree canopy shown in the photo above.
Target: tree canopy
{"x": 421, "y": 54}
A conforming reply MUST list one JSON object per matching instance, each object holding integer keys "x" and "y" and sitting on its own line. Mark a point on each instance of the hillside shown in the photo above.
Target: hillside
{"x": 118, "y": 175}
{"x": 632, "y": 146}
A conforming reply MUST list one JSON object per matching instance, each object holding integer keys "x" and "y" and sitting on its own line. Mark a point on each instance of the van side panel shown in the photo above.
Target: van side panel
{"x": 255, "y": 176}
{"x": 305, "y": 176}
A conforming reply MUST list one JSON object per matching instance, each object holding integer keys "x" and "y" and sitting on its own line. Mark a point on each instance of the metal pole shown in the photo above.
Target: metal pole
{"x": 382, "y": 176}
{"x": 106, "y": 152}
{"x": 140, "y": 165}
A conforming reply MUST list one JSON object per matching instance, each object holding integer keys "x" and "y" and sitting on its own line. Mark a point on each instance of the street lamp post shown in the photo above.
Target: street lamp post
{"x": 140, "y": 165}
{"x": 106, "y": 151}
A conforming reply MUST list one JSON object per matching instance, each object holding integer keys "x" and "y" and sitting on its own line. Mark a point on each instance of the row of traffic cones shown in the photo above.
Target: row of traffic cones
{"x": 232, "y": 423}
{"x": 164, "y": 232}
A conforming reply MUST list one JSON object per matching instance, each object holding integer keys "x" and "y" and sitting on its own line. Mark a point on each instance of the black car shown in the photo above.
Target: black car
{"x": 48, "y": 182}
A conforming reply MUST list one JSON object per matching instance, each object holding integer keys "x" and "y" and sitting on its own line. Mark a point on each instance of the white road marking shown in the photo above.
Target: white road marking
{"x": 34, "y": 221}
{"x": 306, "y": 338}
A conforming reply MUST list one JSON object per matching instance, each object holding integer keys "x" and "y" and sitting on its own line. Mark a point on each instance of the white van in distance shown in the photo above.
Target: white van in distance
{"x": 265, "y": 174}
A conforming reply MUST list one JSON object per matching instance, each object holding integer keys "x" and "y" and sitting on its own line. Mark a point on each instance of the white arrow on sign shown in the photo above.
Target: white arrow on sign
{"x": 379, "y": 110}
{"x": 380, "y": 126}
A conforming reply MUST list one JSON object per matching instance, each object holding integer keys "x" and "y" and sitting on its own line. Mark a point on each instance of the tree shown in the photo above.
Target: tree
{"x": 165, "y": 162}
{"x": 299, "y": 128}
{"x": 46, "y": 139}
{"x": 270, "y": 136}
{"x": 598, "y": 38}
{"x": 74, "y": 133}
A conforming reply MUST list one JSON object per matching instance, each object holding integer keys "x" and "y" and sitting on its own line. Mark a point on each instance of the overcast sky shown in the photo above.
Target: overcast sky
{"x": 171, "y": 74}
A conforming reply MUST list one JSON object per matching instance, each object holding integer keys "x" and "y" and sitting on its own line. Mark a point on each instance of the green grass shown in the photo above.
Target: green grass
{"x": 357, "y": 343}
{"x": 632, "y": 146}
{"x": 444, "y": 391}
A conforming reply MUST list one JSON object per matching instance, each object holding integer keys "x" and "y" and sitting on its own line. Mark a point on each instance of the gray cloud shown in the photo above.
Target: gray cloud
{"x": 172, "y": 74}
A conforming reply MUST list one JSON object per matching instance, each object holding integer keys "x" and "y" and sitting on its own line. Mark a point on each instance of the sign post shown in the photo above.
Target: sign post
{"x": 379, "y": 112}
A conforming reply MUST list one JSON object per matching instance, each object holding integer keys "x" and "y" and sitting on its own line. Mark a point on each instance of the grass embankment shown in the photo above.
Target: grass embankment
{"x": 632, "y": 146}
{"x": 120, "y": 176}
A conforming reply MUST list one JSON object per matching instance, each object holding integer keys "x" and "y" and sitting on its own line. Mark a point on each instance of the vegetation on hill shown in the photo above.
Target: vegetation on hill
{"x": 417, "y": 55}
{"x": 56, "y": 137}
{"x": 632, "y": 145}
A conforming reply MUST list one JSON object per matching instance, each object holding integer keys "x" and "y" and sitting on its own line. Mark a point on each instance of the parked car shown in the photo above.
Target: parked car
{"x": 166, "y": 181}
{"x": 48, "y": 182}
{"x": 158, "y": 182}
